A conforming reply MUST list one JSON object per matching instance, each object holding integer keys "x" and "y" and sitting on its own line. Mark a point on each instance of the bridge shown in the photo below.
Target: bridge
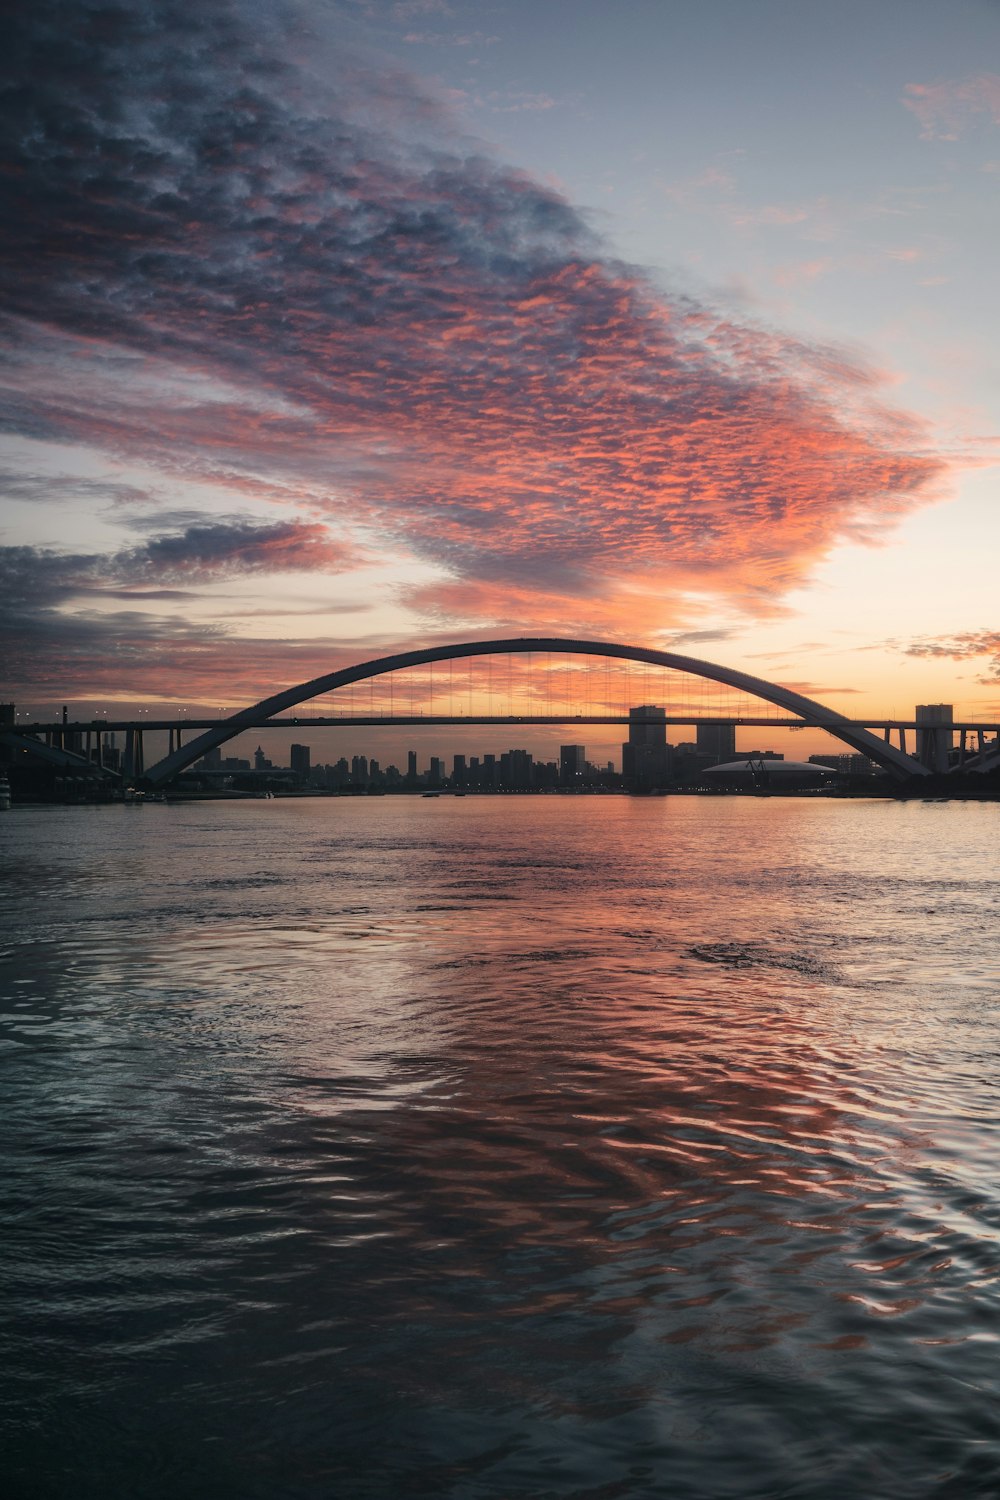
{"x": 797, "y": 712}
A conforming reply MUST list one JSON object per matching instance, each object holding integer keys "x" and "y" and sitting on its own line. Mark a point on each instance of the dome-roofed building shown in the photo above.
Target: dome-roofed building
{"x": 752, "y": 773}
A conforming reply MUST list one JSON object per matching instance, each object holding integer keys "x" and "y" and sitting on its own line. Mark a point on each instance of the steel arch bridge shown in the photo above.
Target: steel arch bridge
{"x": 815, "y": 715}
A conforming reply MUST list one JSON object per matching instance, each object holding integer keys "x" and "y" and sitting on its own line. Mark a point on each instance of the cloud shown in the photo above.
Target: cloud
{"x": 946, "y": 107}
{"x": 220, "y": 267}
{"x": 450, "y": 39}
{"x": 965, "y": 646}
{"x": 133, "y": 650}
{"x": 38, "y": 577}
{"x": 38, "y": 489}
{"x": 802, "y": 271}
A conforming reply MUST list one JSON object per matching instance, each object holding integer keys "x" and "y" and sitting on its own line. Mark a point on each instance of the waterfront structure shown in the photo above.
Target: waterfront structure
{"x": 717, "y": 742}
{"x": 572, "y": 764}
{"x": 846, "y": 765}
{"x": 766, "y": 771}
{"x": 645, "y": 756}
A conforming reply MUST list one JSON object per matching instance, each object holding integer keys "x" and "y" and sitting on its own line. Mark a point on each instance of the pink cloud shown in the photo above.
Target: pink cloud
{"x": 260, "y": 288}
{"x": 945, "y": 108}
{"x": 802, "y": 271}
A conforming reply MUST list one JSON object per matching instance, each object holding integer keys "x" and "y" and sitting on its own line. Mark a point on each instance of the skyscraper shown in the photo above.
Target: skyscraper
{"x": 572, "y": 764}
{"x": 717, "y": 741}
{"x": 644, "y": 755}
{"x": 299, "y": 760}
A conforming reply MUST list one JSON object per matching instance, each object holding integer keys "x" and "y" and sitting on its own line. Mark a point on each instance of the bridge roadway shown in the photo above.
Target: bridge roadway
{"x": 342, "y": 721}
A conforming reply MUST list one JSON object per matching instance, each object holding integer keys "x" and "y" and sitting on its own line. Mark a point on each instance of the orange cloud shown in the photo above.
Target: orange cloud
{"x": 258, "y": 287}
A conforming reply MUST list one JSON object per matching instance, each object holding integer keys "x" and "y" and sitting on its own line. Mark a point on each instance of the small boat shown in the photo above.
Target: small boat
{"x": 431, "y": 794}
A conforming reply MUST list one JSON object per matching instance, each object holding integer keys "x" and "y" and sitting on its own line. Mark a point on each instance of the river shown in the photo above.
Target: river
{"x": 501, "y": 1147}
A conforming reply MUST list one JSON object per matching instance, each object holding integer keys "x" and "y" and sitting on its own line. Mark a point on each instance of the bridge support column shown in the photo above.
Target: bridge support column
{"x": 132, "y": 765}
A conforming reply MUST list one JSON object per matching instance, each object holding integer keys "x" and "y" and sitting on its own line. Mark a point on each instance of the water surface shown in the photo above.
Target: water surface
{"x": 501, "y": 1147}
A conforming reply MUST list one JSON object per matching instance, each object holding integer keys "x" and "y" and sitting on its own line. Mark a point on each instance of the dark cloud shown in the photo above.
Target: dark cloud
{"x": 695, "y": 637}
{"x": 38, "y": 489}
{"x": 38, "y": 577}
{"x": 44, "y": 646}
{"x": 216, "y": 264}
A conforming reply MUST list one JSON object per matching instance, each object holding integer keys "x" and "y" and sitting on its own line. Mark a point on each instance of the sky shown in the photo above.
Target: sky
{"x": 333, "y": 328}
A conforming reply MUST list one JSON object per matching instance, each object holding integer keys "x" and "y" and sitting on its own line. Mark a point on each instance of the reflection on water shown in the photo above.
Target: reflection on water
{"x": 502, "y": 1147}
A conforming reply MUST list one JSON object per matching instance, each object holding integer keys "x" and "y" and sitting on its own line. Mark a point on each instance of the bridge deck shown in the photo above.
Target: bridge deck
{"x": 331, "y": 721}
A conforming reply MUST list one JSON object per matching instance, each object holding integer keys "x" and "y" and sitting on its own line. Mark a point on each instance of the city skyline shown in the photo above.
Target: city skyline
{"x": 340, "y": 328}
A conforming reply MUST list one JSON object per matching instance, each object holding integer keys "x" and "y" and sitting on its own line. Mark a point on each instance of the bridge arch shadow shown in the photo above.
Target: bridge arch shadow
{"x": 813, "y": 714}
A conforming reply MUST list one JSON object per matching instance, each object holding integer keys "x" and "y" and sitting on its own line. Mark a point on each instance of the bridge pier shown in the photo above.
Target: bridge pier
{"x": 133, "y": 766}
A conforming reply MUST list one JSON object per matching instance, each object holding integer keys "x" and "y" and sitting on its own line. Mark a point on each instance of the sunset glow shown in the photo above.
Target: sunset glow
{"x": 308, "y": 357}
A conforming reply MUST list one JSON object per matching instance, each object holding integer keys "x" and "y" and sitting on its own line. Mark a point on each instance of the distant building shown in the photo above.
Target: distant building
{"x": 717, "y": 742}
{"x": 459, "y": 771}
{"x": 847, "y": 764}
{"x": 435, "y": 775}
{"x": 769, "y": 771}
{"x": 572, "y": 764}
{"x": 260, "y": 761}
{"x": 516, "y": 770}
{"x": 645, "y": 759}
{"x": 300, "y": 759}
{"x": 411, "y": 767}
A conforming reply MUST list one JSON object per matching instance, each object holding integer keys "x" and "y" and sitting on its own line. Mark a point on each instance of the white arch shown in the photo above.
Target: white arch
{"x": 895, "y": 761}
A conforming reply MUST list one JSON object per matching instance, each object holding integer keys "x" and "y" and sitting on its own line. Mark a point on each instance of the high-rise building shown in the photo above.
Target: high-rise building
{"x": 459, "y": 771}
{"x": 644, "y": 755}
{"x": 411, "y": 767}
{"x": 717, "y": 741}
{"x": 435, "y": 775}
{"x": 572, "y": 764}
{"x": 517, "y": 770}
{"x": 299, "y": 760}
